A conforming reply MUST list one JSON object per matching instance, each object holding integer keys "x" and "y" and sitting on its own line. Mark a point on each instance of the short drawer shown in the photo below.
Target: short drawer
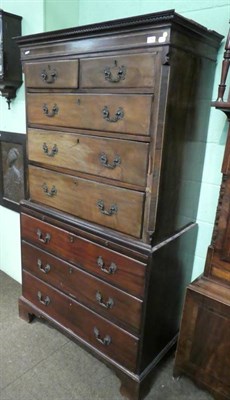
{"x": 52, "y": 74}
{"x": 128, "y": 71}
{"x": 110, "y": 206}
{"x": 89, "y": 326}
{"x": 112, "y": 113}
{"x": 117, "y": 269}
{"x": 121, "y": 160}
{"x": 107, "y": 300}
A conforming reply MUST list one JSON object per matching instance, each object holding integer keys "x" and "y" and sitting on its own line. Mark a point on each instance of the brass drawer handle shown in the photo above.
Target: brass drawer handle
{"x": 105, "y": 341}
{"x": 118, "y": 115}
{"x": 49, "y": 76}
{"x": 112, "y": 210}
{"x": 51, "y": 113}
{"x": 52, "y": 152}
{"x": 119, "y": 74}
{"x": 104, "y": 161}
{"x": 40, "y": 235}
{"x": 112, "y": 268}
{"x": 52, "y": 192}
{"x": 46, "y": 300}
{"x": 46, "y": 269}
{"x": 108, "y": 304}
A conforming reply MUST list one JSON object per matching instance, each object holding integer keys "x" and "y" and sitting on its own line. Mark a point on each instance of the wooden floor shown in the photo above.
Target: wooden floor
{"x": 37, "y": 362}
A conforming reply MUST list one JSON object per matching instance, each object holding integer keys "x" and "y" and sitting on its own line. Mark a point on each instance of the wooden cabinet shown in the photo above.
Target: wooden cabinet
{"x": 115, "y": 114}
{"x": 203, "y": 351}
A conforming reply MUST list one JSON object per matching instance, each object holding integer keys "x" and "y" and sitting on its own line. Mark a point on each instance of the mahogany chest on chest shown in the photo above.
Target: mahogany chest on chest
{"x": 117, "y": 117}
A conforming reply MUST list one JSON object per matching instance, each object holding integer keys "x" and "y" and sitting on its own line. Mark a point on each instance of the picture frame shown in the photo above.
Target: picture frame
{"x": 12, "y": 169}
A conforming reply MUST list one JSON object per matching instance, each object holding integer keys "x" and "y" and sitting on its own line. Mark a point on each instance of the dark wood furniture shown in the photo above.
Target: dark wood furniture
{"x": 203, "y": 351}
{"x": 117, "y": 113}
{"x": 10, "y": 65}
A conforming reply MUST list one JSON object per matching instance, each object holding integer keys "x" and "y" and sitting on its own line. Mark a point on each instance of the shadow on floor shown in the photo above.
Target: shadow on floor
{"x": 39, "y": 363}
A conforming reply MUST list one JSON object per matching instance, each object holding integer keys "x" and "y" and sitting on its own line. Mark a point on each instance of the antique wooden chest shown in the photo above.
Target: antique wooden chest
{"x": 117, "y": 117}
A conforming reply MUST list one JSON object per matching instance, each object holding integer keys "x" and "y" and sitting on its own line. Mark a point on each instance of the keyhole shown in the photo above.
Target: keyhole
{"x": 115, "y": 63}
{"x": 78, "y": 102}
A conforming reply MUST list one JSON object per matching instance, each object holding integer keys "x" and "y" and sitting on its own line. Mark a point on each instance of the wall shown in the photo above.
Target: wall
{"x": 40, "y": 15}
{"x": 14, "y": 121}
{"x": 60, "y": 14}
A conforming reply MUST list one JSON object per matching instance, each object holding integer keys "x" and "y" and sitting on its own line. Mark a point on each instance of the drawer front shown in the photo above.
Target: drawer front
{"x": 112, "y": 113}
{"x": 113, "y": 207}
{"x": 100, "y": 333}
{"x": 108, "y": 301}
{"x": 52, "y": 74}
{"x": 120, "y": 160}
{"x": 128, "y": 71}
{"x": 117, "y": 269}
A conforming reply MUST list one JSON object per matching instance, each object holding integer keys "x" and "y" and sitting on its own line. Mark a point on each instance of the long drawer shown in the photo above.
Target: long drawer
{"x": 106, "y": 205}
{"x": 107, "y": 300}
{"x": 113, "y": 267}
{"x": 107, "y": 112}
{"x": 128, "y": 71}
{"x": 120, "y": 160}
{"x": 100, "y": 333}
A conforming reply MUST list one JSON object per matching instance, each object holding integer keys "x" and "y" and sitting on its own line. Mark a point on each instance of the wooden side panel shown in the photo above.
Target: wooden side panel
{"x": 170, "y": 273}
{"x": 181, "y": 142}
{"x": 203, "y": 348}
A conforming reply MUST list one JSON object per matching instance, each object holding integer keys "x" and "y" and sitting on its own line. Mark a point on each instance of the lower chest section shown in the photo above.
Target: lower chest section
{"x": 99, "y": 332}
{"x": 95, "y": 292}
